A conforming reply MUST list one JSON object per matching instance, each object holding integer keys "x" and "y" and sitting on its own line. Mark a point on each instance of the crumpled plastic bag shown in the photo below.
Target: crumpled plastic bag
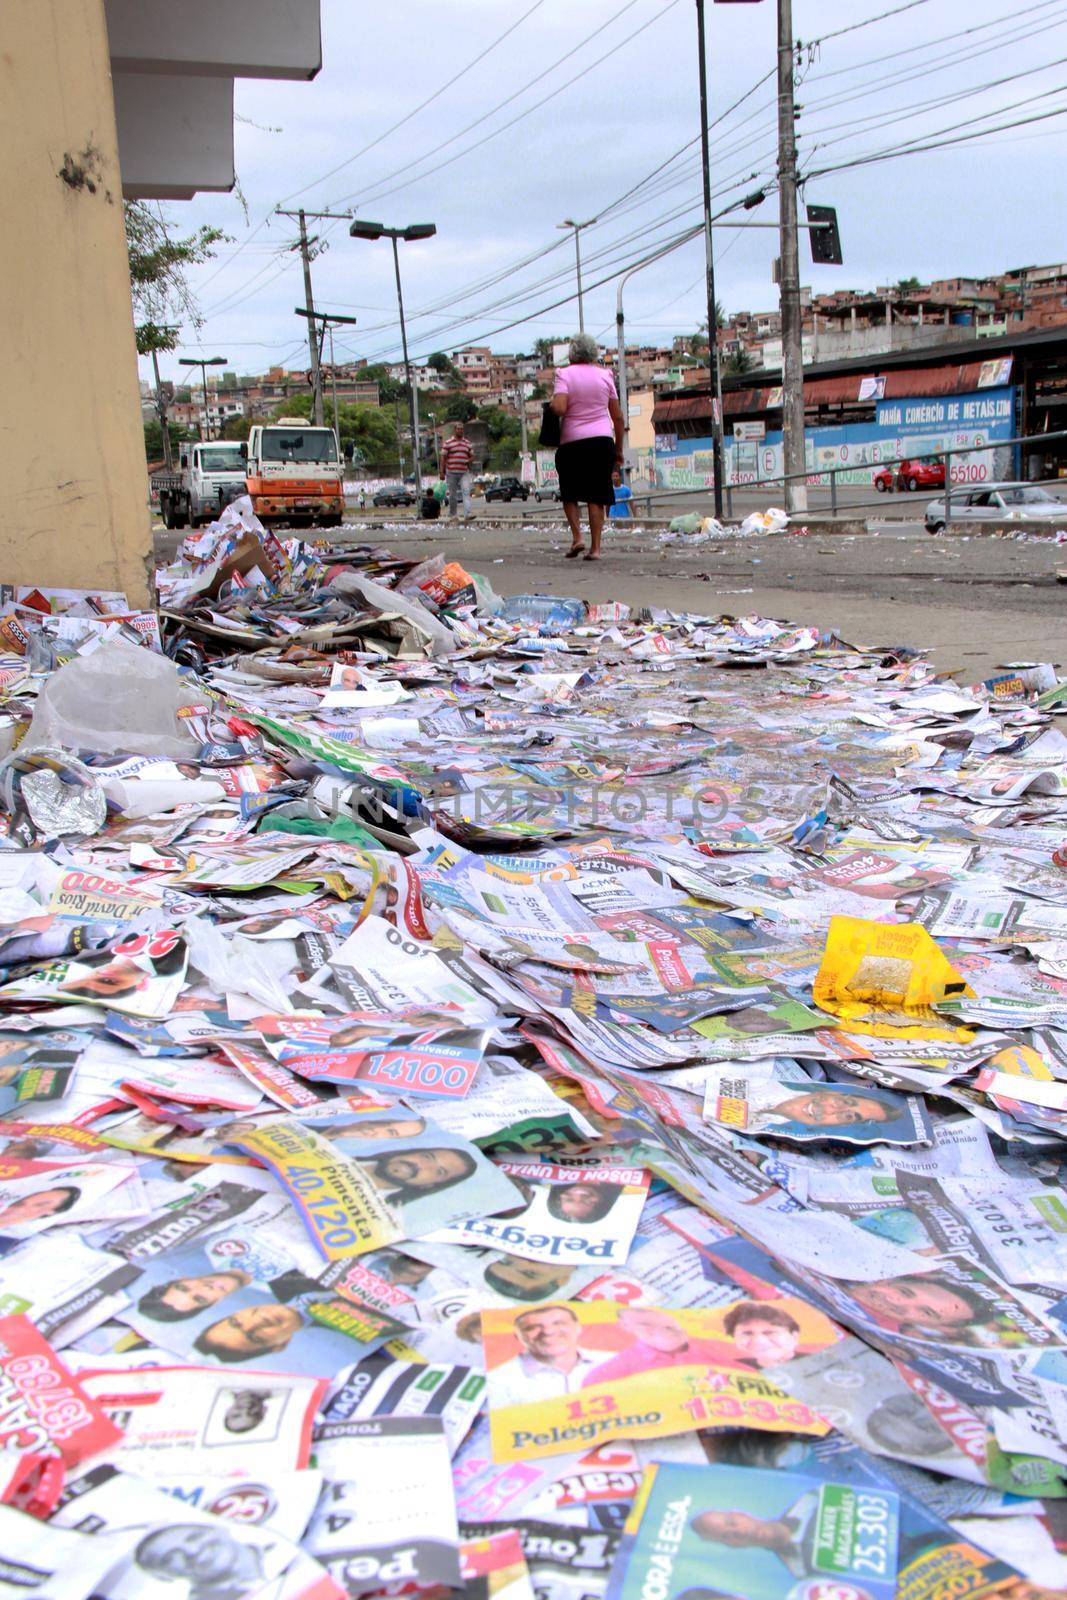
{"x": 233, "y": 964}
{"x": 119, "y": 698}
{"x": 774, "y": 520}
{"x": 389, "y": 603}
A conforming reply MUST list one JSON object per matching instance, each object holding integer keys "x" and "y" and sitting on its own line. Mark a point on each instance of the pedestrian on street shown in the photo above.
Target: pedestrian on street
{"x": 621, "y": 511}
{"x": 457, "y": 459}
{"x": 591, "y": 442}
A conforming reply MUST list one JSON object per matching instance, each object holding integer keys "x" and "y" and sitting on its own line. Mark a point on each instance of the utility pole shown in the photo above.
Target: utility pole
{"x": 714, "y": 364}
{"x": 313, "y": 343}
{"x": 333, "y": 387}
{"x": 161, "y": 407}
{"x": 329, "y": 321}
{"x": 524, "y": 446}
{"x": 796, "y": 489}
{"x": 303, "y": 244}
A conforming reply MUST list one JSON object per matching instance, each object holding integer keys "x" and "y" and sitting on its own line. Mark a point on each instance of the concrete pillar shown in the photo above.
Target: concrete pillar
{"x": 73, "y": 496}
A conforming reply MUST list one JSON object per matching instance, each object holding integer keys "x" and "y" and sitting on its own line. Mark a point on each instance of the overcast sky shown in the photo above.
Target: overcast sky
{"x": 587, "y": 129}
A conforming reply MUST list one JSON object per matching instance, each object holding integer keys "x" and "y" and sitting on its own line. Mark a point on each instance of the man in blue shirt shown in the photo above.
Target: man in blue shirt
{"x": 621, "y": 511}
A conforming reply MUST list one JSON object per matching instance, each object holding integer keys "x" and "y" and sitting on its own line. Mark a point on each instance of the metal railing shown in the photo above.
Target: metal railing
{"x": 812, "y": 477}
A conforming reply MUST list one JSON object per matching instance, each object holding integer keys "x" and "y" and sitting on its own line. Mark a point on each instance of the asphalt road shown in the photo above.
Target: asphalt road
{"x": 905, "y": 506}
{"x": 974, "y": 602}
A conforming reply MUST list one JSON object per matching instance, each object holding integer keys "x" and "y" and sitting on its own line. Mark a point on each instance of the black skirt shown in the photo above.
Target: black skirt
{"x": 584, "y": 467}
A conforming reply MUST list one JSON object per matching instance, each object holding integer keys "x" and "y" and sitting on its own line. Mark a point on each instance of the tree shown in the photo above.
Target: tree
{"x": 443, "y": 364}
{"x": 389, "y": 389}
{"x": 158, "y": 265}
{"x": 235, "y": 428}
{"x": 505, "y": 437}
{"x": 736, "y": 365}
{"x": 153, "y": 438}
{"x": 460, "y": 408}
{"x": 908, "y": 285}
{"x": 543, "y": 348}
{"x": 366, "y": 429}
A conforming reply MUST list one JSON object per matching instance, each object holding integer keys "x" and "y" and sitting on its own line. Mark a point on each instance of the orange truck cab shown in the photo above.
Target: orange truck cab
{"x": 294, "y": 473}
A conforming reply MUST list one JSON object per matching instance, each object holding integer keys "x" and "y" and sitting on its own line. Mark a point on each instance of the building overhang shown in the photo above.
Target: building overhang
{"x": 173, "y": 69}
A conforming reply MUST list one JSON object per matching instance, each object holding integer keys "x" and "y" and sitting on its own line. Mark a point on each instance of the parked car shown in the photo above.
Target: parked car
{"x": 394, "y": 494}
{"x": 928, "y": 474}
{"x": 547, "y": 491}
{"x": 998, "y": 502}
{"x": 508, "y": 489}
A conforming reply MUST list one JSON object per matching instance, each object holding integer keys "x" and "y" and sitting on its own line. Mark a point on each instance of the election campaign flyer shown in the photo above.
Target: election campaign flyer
{"x": 736, "y": 1531}
{"x": 44, "y": 1410}
{"x": 140, "y": 975}
{"x": 362, "y": 1181}
{"x": 564, "y": 1563}
{"x": 381, "y": 1386}
{"x": 166, "y": 1542}
{"x": 387, "y": 1514}
{"x": 52, "y": 1564}
{"x": 800, "y": 1109}
{"x": 573, "y": 1215}
{"x": 417, "y": 1053}
{"x": 494, "y": 1567}
{"x": 280, "y": 1500}
{"x": 38, "y": 1067}
{"x": 229, "y": 1301}
{"x": 569, "y": 1375}
{"x": 182, "y": 1419}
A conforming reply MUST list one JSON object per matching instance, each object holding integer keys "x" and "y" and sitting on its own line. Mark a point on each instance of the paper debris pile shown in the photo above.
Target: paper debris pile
{"x": 524, "y": 1101}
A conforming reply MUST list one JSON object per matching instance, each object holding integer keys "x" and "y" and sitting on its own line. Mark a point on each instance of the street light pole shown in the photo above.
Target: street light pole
{"x": 714, "y": 364}
{"x": 203, "y": 362}
{"x": 413, "y": 403}
{"x": 578, "y": 226}
{"x": 416, "y": 230}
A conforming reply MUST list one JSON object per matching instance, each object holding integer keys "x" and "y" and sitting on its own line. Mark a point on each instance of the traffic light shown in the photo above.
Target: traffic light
{"x": 825, "y": 241}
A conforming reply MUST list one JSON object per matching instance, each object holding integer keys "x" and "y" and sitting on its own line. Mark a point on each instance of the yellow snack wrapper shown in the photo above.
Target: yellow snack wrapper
{"x": 885, "y": 979}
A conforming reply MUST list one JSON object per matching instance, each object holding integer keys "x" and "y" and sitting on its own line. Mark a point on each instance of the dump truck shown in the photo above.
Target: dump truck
{"x": 295, "y": 474}
{"x": 209, "y": 476}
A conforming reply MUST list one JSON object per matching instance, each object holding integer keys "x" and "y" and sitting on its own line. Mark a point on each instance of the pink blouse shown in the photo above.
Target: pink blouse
{"x": 588, "y": 389}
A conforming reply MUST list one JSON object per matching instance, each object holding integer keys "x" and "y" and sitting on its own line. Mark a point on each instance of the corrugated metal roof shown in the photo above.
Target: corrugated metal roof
{"x": 950, "y": 378}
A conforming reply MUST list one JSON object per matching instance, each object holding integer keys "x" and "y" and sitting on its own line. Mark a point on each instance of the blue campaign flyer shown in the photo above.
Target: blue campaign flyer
{"x": 742, "y": 1534}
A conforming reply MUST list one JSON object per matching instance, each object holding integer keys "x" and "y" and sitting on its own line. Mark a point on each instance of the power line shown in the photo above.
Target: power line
{"x": 436, "y": 95}
{"x": 919, "y": 149}
{"x": 867, "y": 22}
{"x": 380, "y": 194}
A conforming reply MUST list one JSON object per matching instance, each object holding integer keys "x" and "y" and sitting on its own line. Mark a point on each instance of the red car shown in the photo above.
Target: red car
{"x": 929, "y": 474}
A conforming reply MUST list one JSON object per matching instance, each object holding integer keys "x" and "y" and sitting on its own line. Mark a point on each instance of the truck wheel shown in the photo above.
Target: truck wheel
{"x": 165, "y": 511}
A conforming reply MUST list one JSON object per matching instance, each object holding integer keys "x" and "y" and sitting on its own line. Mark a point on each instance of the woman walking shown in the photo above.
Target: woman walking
{"x": 591, "y": 442}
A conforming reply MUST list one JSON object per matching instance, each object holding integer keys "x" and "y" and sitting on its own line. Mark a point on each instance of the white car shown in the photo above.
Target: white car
{"x": 998, "y": 502}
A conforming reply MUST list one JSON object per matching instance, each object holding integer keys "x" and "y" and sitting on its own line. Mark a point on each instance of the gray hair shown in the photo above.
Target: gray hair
{"x": 583, "y": 348}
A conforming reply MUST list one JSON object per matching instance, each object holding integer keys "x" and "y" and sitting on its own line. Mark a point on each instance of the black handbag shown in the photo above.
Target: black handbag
{"x": 551, "y": 427}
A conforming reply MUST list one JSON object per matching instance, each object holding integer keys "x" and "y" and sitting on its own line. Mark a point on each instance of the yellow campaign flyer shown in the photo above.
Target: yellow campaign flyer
{"x": 338, "y": 1204}
{"x": 569, "y": 1374}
